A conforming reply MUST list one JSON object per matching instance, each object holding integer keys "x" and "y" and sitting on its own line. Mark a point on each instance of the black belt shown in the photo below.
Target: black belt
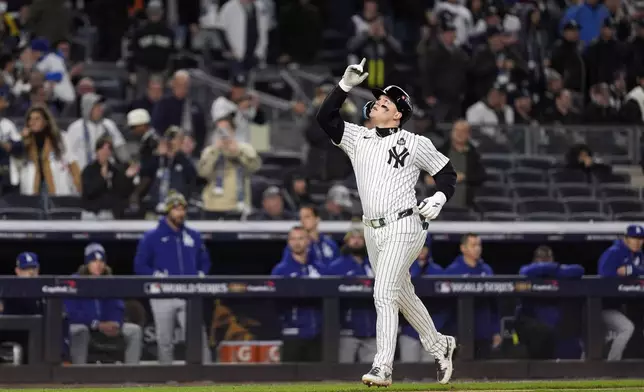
{"x": 381, "y": 222}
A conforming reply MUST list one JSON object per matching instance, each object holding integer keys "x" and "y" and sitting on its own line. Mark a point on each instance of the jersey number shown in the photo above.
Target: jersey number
{"x": 397, "y": 158}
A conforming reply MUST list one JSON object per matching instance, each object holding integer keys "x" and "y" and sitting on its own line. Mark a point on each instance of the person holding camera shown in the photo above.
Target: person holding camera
{"x": 227, "y": 164}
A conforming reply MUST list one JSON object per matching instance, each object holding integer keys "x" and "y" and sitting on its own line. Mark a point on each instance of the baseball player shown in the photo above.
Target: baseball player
{"x": 387, "y": 161}
{"x": 172, "y": 249}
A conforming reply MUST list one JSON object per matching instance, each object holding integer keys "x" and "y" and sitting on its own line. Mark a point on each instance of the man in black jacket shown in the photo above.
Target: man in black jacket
{"x": 470, "y": 173}
{"x": 605, "y": 56}
{"x": 567, "y": 60}
{"x": 151, "y": 47}
{"x": 443, "y": 68}
{"x": 635, "y": 54}
{"x": 106, "y": 187}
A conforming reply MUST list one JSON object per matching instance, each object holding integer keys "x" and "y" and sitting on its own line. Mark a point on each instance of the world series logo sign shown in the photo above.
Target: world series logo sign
{"x": 444, "y": 287}
{"x": 157, "y": 288}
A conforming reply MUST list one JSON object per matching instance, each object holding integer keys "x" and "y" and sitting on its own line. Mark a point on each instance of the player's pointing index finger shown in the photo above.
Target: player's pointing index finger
{"x": 364, "y": 60}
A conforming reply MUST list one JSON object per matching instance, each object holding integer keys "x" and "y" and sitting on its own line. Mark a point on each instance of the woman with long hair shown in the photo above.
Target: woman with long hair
{"x": 46, "y": 168}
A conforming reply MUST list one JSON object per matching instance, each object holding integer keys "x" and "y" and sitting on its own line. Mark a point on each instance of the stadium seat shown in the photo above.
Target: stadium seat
{"x": 613, "y": 178}
{"x": 497, "y": 161}
{"x": 65, "y": 213}
{"x": 21, "y": 213}
{"x": 534, "y": 205}
{"x": 65, "y": 201}
{"x": 284, "y": 159}
{"x": 621, "y": 205}
{"x": 459, "y": 215}
{"x": 633, "y": 216}
{"x": 18, "y": 200}
{"x": 494, "y": 204}
{"x": 500, "y": 216}
{"x": 577, "y": 205}
{"x": 569, "y": 176}
{"x": 587, "y": 217}
{"x": 271, "y": 171}
{"x": 565, "y": 190}
{"x": 534, "y": 162}
{"x": 524, "y": 176}
{"x": 494, "y": 175}
{"x": 619, "y": 190}
{"x": 523, "y": 190}
{"x": 542, "y": 217}
{"x": 492, "y": 189}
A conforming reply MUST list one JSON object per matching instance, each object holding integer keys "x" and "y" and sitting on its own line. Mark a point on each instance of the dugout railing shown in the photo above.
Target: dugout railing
{"x": 330, "y": 291}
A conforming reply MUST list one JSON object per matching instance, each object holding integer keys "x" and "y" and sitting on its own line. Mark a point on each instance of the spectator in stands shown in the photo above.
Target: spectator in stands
{"x": 632, "y": 111}
{"x": 7, "y": 69}
{"x": 497, "y": 17}
{"x": 272, "y": 206}
{"x": 357, "y": 316}
{"x": 549, "y": 328}
{"x": 151, "y": 46}
{"x": 379, "y": 47}
{"x": 296, "y": 191}
{"x": 11, "y": 148}
{"x": 54, "y": 69}
{"x": 50, "y": 19}
{"x": 580, "y": 157}
{"x": 338, "y": 205}
{"x": 138, "y": 120}
{"x": 523, "y": 109}
{"x": 301, "y": 319}
{"x": 470, "y": 172}
{"x": 169, "y": 169}
{"x": 443, "y": 69}
{"x": 488, "y": 61}
{"x": 9, "y": 33}
{"x": 111, "y": 19}
{"x": 411, "y": 348}
{"x": 152, "y": 95}
{"x": 180, "y": 110}
{"x": 487, "y": 323}
{"x": 459, "y": 19}
{"x": 82, "y": 134}
{"x": 599, "y": 110}
{"x": 554, "y": 85}
{"x": 534, "y": 43}
{"x": 618, "y": 12}
{"x": 47, "y": 168}
{"x": 635, "y": 54}
{"x": 182, "y": 253}
{"x": 322, "y": 247}
{"x": 326, "y": 162}
{"x": 244, "y": 108}
{"x": 622, "y": 259}
{"x": 244, "y": 28}
{"x": 300, "y": 30}
{"x": 605, "y": 56}
{"x": 63, "y": 48}
{"x": 566, "y": 58}
{"x": 100, "y": 320}
{"x": 106, "y": 186}
{"x": 39, "y": 95}
{"x": 491, "y": 110}
{"x": 84, "y": 86}
{"x": 589, "y": 15}
{"x": 227, "y": 165}
{"x": 562, "y": 112}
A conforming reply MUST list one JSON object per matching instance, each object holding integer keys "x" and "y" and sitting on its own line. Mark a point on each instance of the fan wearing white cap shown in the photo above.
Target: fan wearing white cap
{"x": 139, "y": 122}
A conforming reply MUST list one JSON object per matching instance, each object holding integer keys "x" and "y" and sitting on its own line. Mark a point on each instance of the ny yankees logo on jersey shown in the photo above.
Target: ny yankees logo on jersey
{"x": 398, "y": 157}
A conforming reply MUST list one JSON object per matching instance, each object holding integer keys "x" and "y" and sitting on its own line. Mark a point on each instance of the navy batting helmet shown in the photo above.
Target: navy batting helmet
{"x": 366, "y": 109}
{"x": 400, "y": 98}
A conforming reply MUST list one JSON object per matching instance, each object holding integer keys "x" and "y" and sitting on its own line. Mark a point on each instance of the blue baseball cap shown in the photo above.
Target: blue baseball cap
{"x": 94, "y": 251}
{"x": 27, "y": 260}
{"x": 635, "y": 231}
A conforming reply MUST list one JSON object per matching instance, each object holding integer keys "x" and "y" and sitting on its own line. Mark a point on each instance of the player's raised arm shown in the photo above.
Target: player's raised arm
{"x": 440, "y": 168}
{"x": 329, "y": 113}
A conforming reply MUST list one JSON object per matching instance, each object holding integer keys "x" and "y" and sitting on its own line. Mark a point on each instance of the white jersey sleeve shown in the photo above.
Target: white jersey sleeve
{"x": 350, "y": 137}
{"x": 428, "y": 158}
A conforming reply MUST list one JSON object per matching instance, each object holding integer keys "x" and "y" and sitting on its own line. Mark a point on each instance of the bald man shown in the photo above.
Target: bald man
{"x": 178, "y": 109}
{"x": 467, "y": 163}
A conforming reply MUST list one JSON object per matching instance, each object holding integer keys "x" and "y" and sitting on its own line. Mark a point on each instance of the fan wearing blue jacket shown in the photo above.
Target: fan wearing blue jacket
{"x": 624, "y": 258}
{"x": 590, "y": 15}
{"x": 411, "y": 349}
{"x": 549, "y": 327}
{"x": 487, "y": 323}
{"x": 321, "y": 247}
{"x": 358, "y": 316}
{"x": 301, "y": 319}
{"x": 172, "y": 249}
{"x": 88, "y": 316}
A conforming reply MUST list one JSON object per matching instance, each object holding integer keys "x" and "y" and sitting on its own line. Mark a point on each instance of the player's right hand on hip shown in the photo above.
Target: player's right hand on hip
{"x": 432, "y": 206}
{"x": 353, "y": 76}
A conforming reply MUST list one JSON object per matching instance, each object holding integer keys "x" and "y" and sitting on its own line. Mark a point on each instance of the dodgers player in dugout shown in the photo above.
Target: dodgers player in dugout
{"x": 172, "y": 249}
{"x": 387, "y": 161}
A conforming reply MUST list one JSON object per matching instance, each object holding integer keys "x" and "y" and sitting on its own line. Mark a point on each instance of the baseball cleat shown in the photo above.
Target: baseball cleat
{"x": 377, "y": 377}
{"x": 444, "y": 364}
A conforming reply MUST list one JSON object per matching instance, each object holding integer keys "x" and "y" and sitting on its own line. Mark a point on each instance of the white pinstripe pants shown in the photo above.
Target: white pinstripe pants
{"x": 392, "y": 249}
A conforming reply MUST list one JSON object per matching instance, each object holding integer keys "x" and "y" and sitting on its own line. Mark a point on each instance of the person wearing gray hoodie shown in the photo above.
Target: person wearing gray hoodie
{"x": 82, "y": 134}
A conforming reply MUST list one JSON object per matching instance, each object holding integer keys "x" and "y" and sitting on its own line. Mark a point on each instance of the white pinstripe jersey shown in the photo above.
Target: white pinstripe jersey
{"x": 387, "y": 168}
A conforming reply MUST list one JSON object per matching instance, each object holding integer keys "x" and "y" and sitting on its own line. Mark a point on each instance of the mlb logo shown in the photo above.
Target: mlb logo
{"x": 443, "y": 287}
{"x": 153, "y": 288}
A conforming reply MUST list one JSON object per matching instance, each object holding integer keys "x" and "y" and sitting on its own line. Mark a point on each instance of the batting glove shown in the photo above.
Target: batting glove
{"x": 431, "y": 206}
{"x": 353, "y": 76}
